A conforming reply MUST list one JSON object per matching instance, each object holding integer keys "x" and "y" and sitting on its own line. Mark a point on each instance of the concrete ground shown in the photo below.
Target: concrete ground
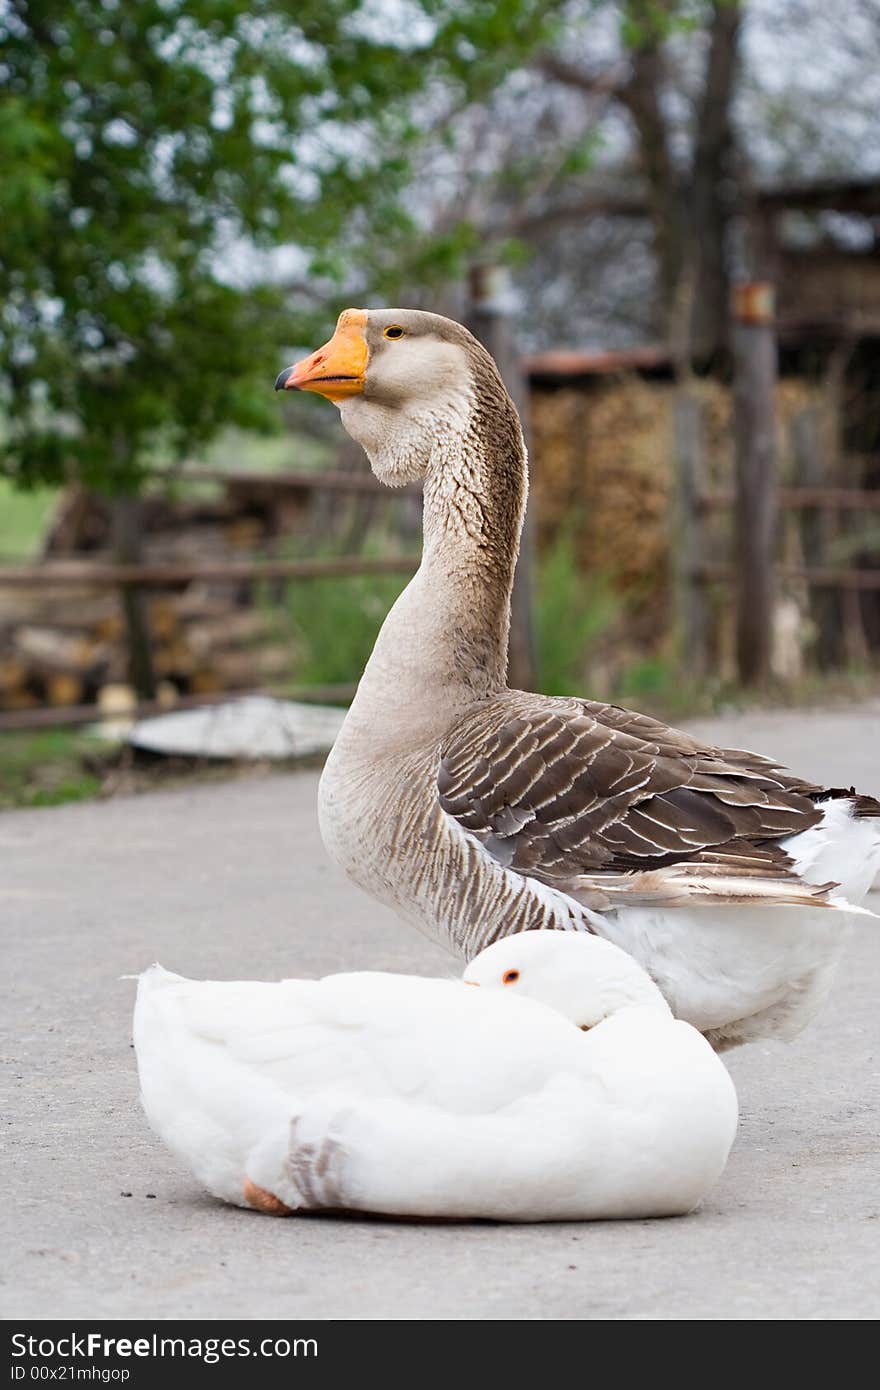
{"x": 232, "y": 880}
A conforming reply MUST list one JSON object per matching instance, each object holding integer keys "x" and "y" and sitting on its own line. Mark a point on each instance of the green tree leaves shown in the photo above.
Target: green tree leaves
{"x": 153, "y": 153}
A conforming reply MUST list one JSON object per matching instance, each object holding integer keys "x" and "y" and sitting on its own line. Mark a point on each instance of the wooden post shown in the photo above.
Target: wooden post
{"x": 489, "y": 320}
{"x": 755, "y": 367}
{"x": 128, "y": 550}
{"x": 853, "y": 647}
{"x": 806, "y": 443}
{"x": 688, "y": 548}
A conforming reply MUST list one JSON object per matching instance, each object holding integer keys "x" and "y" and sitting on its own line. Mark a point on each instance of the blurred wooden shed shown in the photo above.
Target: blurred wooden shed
{"x": 603, "y": 430}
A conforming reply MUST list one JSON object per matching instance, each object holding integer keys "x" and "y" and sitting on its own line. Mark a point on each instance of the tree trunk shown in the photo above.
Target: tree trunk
{"x": 642, "y": 96}
{"x": 810, "y": 471}
{"x": 690, "y": 214}
{"x": 128, "y": 550}
{"x": 714, "y": 183}
{"x": 689, "y": 521}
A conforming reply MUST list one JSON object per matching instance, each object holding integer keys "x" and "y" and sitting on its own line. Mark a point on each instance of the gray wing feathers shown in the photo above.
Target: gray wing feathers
{"x": 602, "y": 801}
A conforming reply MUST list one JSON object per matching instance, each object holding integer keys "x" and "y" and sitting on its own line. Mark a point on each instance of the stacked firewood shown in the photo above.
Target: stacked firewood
{"x": 65, "y": 649}
{"x": 604, "y": 469}
{"x": 602, "y": 473}
{"x": 65, "y": 645}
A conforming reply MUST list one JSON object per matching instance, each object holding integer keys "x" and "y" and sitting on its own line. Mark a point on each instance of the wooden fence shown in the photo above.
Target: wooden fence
{"x": 756, "y": 502}
{"x": 139, "y": 579}
{"x": 696, "y": 571}
{"x": 64, "y": 573}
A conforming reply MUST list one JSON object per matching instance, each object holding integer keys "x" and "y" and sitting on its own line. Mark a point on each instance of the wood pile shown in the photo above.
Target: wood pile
{"x": 604, "y": 465}
{"x": 64, "y": 646}
{"x": 63, "y": 649}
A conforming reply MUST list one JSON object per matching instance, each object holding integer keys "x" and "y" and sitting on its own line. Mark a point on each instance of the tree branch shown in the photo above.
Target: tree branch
{"x": 642, "y": 97}
{"x": 598, "y": 84}
{"x": 593, "y": 204}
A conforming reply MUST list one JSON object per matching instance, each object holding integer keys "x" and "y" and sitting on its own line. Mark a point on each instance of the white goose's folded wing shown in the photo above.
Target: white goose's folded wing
{"x": 357, "y": 1035}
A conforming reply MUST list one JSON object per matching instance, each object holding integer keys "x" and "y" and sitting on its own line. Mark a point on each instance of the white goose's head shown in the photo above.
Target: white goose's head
{"x": 403, "y": 381}
{"x": 583, "y": 977}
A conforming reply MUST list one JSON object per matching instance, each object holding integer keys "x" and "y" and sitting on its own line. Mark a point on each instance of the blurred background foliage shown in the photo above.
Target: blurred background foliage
{"x": 155, "y": 159}
{"x": 190, "y": 187}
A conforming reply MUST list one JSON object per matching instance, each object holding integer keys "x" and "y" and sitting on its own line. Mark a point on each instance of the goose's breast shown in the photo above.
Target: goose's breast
{"x": 384, "y": 826}
{"x": 375, "y": 818}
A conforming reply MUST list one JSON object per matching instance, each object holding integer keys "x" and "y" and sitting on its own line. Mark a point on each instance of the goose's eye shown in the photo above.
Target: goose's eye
{"x": 510, "y": 977}
{"x": 394, "y": 330}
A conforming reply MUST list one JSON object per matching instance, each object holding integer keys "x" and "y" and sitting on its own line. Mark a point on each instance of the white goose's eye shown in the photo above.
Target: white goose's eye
{"x": 510, "y": 977}
{"x": 394, "y": 330}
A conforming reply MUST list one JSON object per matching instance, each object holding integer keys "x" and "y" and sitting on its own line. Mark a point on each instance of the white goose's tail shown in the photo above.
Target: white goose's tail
{"x": 214, "y": 1073}
{"x": 198, "y": 1099}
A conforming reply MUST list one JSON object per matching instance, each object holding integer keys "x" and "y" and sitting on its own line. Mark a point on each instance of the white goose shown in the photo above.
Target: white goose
{"x": 478, "y": 811}
{"x": 418, "y": 1097}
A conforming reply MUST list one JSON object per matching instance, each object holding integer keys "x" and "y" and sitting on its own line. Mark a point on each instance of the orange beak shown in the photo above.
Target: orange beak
{"x": 337, "y": 369}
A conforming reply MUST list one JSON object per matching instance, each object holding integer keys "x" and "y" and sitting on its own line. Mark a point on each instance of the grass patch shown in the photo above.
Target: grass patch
{"x": 572, "y": 611}
{"x": 50, "y": 767}
{"x": 335, "y": 623}
{"x": 24, "y": 517}
{"x": 242, "y": 451}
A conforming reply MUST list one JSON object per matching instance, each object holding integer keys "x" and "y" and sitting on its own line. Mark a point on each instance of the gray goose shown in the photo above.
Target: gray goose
{"x": 477, "y": 811}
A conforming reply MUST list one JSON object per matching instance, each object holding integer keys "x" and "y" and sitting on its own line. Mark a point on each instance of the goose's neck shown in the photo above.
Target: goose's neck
{"x": 443, "y": 646}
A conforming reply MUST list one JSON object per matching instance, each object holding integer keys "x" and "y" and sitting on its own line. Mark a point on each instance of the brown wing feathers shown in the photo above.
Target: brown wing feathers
{"x": 561, "y": 788}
